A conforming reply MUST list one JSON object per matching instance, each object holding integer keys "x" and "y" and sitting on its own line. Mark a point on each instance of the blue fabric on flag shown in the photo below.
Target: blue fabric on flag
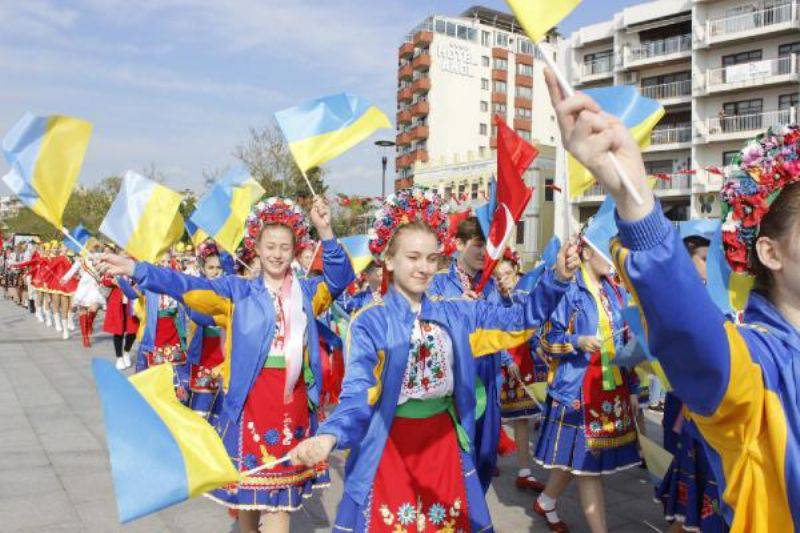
{"x": 602, "y": 228}
{"x": 485, "y": 212}
{"x": 80, "y": 234}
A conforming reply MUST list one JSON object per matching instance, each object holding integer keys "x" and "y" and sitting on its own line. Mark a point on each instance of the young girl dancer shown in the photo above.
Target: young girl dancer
{"x": 407, "y": 409}
{"x": 740, "y": 383}
{"x": 120, "y": 320}
{"x": 88, "y": 297}
{"x": 273, "y": 375}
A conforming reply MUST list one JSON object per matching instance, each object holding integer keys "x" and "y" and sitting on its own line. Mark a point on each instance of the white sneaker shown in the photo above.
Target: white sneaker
{"x": 39, "y": 316}
{"x": 127, "y": 358}
{"x": 120, "y": 364}
{"x": 71, "y": 321}
{"x": 48, "y": 319}
{"x": 57, "y": 321}
{"x": 65, "y": 329}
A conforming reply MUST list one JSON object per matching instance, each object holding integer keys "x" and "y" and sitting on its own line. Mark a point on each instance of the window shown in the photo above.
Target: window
{"x": 598, "y": 62}
{"x": 484, "y": 84}
{"x": 484, "y": 106}
{"x": 500, "y": 86}
{"x": 789, "y": 49}
{"x": 448, "y": 192}
{"x": 486, "y": 38}
{"x": 451, "y": 29}
{"x": 501, "y": 39}
{"x": 485, "y": 61}
{"x": 743, "y": 107}
{"x": 494, "y": 130}
{"x": 440, "y": 26}
{"x": 524, "y": 92}
{"x": 500, "y": 64}
{"x": 482, "y": 151}
{"x": 472, "y": 34}
{"x": 525, "y": 46}
{"x": 664, "y": 166}
{"x": 483, "y": 129}
{"x": 548, "y": 190}
{"x": 741, "y": 57}
{"x": 462, "y": 32}
{"x": 788, "y": 101}
{"x": 667, "y": 78}
{"x": 524, "y": 112}
{"x": 473, "y": 193}
{"x": 499, "y": 109}
{"x": 525, "y": 134}
{"x": 520, "y": 238}
{"x": 728, "y": 157}
{"x": 461, "y": 189}
{"x": 524, "y": 70}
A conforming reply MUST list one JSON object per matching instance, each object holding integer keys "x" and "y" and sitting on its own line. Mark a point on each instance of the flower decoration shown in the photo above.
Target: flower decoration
{"x": 279, "y": 211}
{"x": 509, "y": 254}
{"x": 406, "y": 206}
{"x": 206, "y": 249}
{"x": 760, "y": 172}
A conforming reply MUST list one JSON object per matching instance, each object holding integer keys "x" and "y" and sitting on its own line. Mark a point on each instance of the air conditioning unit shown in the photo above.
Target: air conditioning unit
{"x": 631, "y": 78}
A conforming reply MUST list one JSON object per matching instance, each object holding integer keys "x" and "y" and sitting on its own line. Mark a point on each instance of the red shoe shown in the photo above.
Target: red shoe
{"x": 529, "y": 482}
{"x": 84, "y": 321}
{"x": 558, "y": 527}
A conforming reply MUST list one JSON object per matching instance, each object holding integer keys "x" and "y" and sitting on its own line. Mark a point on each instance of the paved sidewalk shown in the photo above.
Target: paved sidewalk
{"x": 55, "y": 476}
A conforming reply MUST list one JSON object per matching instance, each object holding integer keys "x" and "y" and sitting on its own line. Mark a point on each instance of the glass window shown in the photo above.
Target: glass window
{"x": 485, "y": 61}
{"x": 482, "y": 151}
{"x": 501, "y": 39}
{"x": 788, "y": 49}
{"x": 486, "y": 38}
{"x": 664, "y": 166}
{"x": 472, "y": 34}
{"x": 741, "y": 57}
{"x": 448, "y": 192}
{"x": 484, "y": 84}
{"x": 728, "y": 157}
{"x": 500, "y": 86}
{"x": 524, "y": 112}
{"x": 461, "y": 189}
{"x": 788, "y": 101}
{"x": 500, "y": 64}
{"x": 548, "y": 190}
{"x": 474, "y": 191}
{"x": 525, "y": 46}
{"x": 494, "y": 130}
{"x": 499, "y": 109}
{"x": 451, "y": 29}
{"x": 484, "y": 106}
{"x": 525, "y": 134}
{"x": 483, "y": 129}
{"x": 520, "y": 237}
{"x": 462, "y": 32}
{"x": 440, "y": 26}
{"x": 524, "y": 70}
{"x": 743, "y": 107}
{"x": 524, "y": 92}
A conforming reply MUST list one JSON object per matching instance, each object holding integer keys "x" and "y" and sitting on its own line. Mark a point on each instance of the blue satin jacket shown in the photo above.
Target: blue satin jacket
{"x": 575, "y": 317}
{"x": 741, "y": 383}
{"x": 377, "y": 355}
{"x": 244, "y": 308}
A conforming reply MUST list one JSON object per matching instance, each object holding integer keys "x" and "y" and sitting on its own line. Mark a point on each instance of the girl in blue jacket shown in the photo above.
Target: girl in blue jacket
{"x": 741, "y": 383}
{"x": 272, "y": 374}
{"x": 407, "y": 409}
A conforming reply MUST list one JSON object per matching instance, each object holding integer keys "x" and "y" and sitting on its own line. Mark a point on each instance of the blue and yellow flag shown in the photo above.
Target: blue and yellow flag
{"x": 639, "y": 114}
{"x": 221, "y": 213}
{"x": 195, "y": 234}
{"x": 144, "y": 219}
{"x": 357, "y": 249}
{"x": 538, "y": 17}
{"x": 319, "y": 130}
{"x": 81, "y": 235}
{"x": 45, "y": 155}
{"x": 161, "y": 452}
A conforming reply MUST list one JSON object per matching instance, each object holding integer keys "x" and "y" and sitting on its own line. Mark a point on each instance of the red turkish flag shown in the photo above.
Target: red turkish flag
{"x": 514, "y": 156}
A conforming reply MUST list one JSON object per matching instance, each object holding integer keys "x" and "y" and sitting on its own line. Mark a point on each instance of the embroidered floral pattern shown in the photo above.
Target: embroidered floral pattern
{"x": 428, "y": 366}
{"x": 442, "y": 518}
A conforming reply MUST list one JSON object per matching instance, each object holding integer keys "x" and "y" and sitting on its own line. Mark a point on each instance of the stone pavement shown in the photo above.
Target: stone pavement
{"x": 55, "y": 476}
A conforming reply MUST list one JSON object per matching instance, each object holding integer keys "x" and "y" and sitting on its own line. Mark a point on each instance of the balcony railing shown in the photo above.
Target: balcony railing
{"x": 753, "y": 122}
{"x": 681, "y": 134}
{"x": 666, "y": 182}
{"x": 663, "y": 47}
{"x": 665, "y": 91}
{"x": 597, "y": 67}
{"x": 755, "y": 20}
{"x": 748, "y": 73}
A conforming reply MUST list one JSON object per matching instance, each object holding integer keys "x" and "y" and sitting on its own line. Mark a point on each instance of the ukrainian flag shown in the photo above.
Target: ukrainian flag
{"x": 357, "y": 249}
{"x": 537, "y": 17}
{"x": 161, "y": 452}
{"x": 144, "y": 218}
{"x": 319, "y": 130}
{"x": 45, "y": 155}
{"x": 195, "y": 234}
{"x": 221, "y": 213}
{"x": 639, "y": 114}
{"x": 81, "y": 235}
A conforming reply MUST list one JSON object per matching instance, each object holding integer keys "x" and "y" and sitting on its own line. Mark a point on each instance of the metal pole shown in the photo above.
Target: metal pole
{"x": 384, "y": 161}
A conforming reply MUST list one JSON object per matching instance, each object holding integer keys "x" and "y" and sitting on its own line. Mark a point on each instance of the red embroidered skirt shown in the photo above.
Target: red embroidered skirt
{"x": 419, "y": 485}
{"x": 201, "y": 379}
{"x": 167, "y": 344}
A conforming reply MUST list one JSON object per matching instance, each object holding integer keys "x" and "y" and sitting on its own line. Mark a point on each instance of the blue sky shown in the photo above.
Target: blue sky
{"x": 177, "y": 83}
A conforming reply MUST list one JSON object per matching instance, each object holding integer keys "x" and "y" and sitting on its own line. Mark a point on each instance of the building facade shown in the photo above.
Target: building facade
{"x": 724, "y": 70}
{"x": 454, "y": 75}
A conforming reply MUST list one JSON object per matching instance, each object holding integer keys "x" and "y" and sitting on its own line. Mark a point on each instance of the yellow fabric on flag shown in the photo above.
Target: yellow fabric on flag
{"x": 540, "y": 16}
{"x": 242, "y": 199}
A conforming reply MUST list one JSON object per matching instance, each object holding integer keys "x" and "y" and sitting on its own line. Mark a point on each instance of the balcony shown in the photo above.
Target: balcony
{"x": 403, "y": 139}
{"x": 421, "y": 62}
{"x": 405, "y": 160}
{"x": 666, "y": 185}
{"x": 420, "y": 108}
{"x": 665, "y": 139}
{"x": 781, "y": 18}
{"x": 403, "y": 183}
{"x": 598, "y": 69}
{"x": 500, "y": 53}
{"x": 405, "y": 72}
{"x": 405, "y": 94}
{"x": 521, "y": 101}
{"x": 749, "y": 75}
{"x": 660, "y": 52}
{"x": 423, "y": 38}
{"x": 421, "y": 85}
{"x": 741, "y": 127}
{"x": 522, "y": 124}
{"x": 678, "y": 92}
{"x": 524, "y": 81}
{"x": 524, "y": 59}
{"x": 404, "y": 117}
{"x": 499, "y": 98}
{"x": 420, "y": 133}
{"x": 406, "y": 50}
{"x": 493, "y": 143}
{"x": 499, "y": 74}
{"x": 420, "y": 155}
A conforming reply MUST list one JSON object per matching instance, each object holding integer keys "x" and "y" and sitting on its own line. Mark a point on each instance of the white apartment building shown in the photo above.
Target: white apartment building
{"x": 454, "y": 75}
{"x": 9, "y": 206}
{"x": 724, "y": 70}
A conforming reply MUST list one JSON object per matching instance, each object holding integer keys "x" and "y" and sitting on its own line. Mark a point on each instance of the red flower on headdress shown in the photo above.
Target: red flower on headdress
{"x": 735, "y": 251}
{"x": 750, "y": 209}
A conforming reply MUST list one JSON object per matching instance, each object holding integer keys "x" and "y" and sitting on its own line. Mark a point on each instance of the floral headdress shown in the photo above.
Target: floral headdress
{"x": 279, "y": 211}
{"x": 206, "y": 249}
{"x": 509, "y": 254}
{"x": 406, "y": 206}
{"x": 763, "y": 168}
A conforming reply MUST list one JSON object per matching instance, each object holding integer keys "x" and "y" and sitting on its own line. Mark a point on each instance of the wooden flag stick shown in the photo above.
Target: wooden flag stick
{"x": 566, "y": 86}
{"x": 308, "y": 182}
{"x": 267, "y": 466}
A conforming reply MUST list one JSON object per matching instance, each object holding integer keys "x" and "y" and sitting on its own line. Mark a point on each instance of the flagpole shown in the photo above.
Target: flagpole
{"x": 308, "y": 182}
{"x": 566, "y": 86}
{"x": 267, "y": 466}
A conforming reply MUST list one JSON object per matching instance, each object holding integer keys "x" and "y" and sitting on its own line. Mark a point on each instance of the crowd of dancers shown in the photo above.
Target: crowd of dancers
{"x": 433, "y": 367}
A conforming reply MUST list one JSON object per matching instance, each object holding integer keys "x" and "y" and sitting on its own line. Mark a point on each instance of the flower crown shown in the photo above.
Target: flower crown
{"x": 279, "y": 211}
{"x": 206, "y": 249}
{"x": 509, "y": 254}
{"x": 763, "y": 168}
{"x": 406, "y": 206}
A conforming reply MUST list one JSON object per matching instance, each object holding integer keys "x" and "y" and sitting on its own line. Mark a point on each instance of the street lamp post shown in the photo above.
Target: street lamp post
{"x": 384, "y": 161}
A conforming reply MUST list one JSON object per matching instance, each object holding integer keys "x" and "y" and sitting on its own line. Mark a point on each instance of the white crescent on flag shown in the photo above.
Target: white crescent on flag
{"x": 495, "y": 250}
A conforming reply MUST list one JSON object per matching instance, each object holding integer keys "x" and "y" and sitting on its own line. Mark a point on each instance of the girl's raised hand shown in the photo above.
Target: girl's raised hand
{"x": 114, "y": 265}
{"x": 589, "y": 134}
{"x": 568, "y": 261}
{"x": 321, "y": 218}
